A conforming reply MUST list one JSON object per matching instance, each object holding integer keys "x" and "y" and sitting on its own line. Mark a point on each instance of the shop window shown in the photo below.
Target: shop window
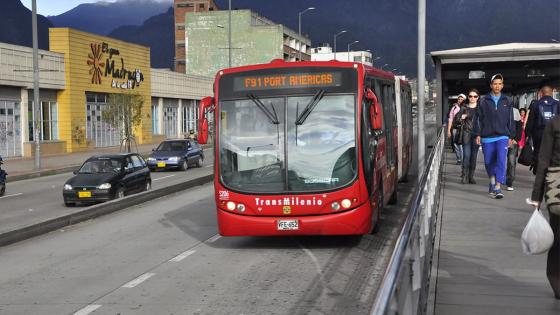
{"x": 155, "y": 120}
{"x": 184, "y": 5}
{"x": 181, "y": 45}
{"x": 180, "y": 27}
{"x": 49, "y": 120}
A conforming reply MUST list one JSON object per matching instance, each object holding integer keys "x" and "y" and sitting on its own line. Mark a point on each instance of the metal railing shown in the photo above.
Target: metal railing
{"x": 404, "y": 288}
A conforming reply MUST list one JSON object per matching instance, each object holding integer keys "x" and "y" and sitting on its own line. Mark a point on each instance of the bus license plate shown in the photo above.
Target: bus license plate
{"x": 160, "y": 164}
{"x": 287, "y": 225}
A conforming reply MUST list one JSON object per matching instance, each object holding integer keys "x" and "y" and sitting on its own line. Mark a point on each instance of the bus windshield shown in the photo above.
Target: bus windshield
{"x": 281, "y": 144}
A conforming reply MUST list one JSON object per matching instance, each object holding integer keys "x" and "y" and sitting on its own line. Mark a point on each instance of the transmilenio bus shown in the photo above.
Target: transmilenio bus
{"x": 306, "y": 148}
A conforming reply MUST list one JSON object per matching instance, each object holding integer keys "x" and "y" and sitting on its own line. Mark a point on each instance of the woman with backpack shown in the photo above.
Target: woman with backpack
{"x": 465, "y": 119}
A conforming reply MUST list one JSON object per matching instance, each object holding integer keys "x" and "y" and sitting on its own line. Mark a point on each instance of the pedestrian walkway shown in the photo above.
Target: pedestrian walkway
{"x": 481, "y": 268}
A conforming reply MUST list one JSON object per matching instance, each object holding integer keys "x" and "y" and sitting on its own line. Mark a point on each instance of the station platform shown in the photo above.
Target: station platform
{"x": 479, "y": 266}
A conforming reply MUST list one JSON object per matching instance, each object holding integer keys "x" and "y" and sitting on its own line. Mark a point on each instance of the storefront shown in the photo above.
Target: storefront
{"x": 97, "y": 67}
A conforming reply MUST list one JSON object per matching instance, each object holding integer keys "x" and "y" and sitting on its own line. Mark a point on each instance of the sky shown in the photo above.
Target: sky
{"x": 56, "y": 7}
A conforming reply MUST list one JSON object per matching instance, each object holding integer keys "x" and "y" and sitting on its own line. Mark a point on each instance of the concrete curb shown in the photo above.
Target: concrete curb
{"x": 92, "y": 212}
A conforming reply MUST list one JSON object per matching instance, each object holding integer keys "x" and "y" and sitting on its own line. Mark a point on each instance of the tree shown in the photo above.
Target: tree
{"x": 124, "y": 112}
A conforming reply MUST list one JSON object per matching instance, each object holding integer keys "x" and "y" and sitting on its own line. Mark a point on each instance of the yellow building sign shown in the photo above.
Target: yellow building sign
{"x": 96, "y": 67}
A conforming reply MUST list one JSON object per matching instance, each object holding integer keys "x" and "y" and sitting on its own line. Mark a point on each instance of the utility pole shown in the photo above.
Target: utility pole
{"x": 421, "y": 83}
{"x": 36, "y": 104}
{"x": 335, "y": 36}
{"x": 229, "y": 33}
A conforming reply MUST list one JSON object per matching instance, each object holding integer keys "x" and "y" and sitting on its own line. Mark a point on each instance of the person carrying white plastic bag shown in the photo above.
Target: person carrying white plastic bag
{"x": 537, "y": 237}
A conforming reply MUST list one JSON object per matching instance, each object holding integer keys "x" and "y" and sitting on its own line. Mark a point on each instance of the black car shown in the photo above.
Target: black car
{"x": 176, "y": 154}
{"x": 106, "y": 177}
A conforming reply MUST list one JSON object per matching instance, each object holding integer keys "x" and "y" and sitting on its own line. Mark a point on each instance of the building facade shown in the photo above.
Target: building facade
{"x": 325, "y": 53}
{"x": 77, "y": 78}
{"x": 254, "y": 40}
{"x": 181, "y": 7}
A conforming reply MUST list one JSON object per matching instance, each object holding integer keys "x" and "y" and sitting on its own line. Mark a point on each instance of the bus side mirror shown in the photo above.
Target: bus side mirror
{"x": 375, "y": 111}
{"x": 205, "y": 106}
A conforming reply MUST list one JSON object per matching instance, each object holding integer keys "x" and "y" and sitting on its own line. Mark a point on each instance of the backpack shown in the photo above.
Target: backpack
{"x": 547, "y": 108}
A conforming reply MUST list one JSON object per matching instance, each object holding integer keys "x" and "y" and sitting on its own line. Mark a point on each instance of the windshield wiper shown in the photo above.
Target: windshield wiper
{"x": 272, "y": 116}
{"x": 309, "y": 108}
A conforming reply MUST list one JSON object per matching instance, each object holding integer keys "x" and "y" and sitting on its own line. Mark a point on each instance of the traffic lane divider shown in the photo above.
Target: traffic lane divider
{"x": 23, "y": 233}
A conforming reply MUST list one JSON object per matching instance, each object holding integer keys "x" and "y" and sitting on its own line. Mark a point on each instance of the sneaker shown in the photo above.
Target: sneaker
{"x": 509, "y": 188}
{"x": 498, "y": 194}
{"x": 491, "y": 189}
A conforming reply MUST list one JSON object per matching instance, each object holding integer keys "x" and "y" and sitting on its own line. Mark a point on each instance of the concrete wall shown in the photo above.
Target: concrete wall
{"x": 169, "y": 84}
{"x": 207, "y": 41}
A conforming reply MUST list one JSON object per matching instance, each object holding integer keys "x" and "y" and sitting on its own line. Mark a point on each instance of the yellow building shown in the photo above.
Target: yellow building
{"x": 96, "y": 67}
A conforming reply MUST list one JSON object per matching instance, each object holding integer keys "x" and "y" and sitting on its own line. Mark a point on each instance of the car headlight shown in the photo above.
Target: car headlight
{"x": 67, "y": 187}
{"x": 174, "y": 158}
{"x": 104, "y": 186}
{"x": 150, "y": 159}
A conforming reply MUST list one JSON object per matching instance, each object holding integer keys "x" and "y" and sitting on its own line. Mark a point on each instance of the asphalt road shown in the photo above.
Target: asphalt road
{"x": 38, "y": 199}
{"x": 165, "y": 257}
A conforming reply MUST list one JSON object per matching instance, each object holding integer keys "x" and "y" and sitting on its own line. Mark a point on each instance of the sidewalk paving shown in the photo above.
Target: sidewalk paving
{"x": 481, "y": 267}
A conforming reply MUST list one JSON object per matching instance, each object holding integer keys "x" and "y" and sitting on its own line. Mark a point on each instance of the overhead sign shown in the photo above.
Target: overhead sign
{"x": 102, "y": 64}
{"x": 287, "y": 81}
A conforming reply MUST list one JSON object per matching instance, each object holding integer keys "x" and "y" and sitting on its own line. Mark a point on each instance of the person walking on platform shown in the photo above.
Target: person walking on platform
{"x": 465, "y": 118}
{"x": 540, "y": 113}
{"x": 513, "y": 149}
{"x": 494, "y": 129}
{"x": 452, "y": 128}
{"x": 547, "y": 184}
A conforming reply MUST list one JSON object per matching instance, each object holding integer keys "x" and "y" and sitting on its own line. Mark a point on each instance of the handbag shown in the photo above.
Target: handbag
{"x": 552, "y": 190}
{"x": 459, "y": 135}
{"x": 526, "y": 155}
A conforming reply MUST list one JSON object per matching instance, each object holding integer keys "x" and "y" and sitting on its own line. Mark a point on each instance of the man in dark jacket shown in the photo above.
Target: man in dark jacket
{"x": 540, "y": 113}
{"x": 494, "y": 129}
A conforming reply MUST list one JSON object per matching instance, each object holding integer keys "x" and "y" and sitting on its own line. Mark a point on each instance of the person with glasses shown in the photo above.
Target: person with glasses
{"x": 494, "y": 128}
{"x": 466, "y": 117}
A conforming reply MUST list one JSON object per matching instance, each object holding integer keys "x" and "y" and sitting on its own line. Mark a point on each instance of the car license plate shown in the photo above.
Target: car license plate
{"x": 287, "y": 225}
{"x": 84, "y": 194}
{"x": 160, "y": 164}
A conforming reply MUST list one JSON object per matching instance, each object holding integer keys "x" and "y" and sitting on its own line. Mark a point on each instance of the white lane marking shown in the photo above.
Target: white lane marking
{"x": 13, "y": 195}
{"x": 315, "y": 262}
{"x": 214, "y": 238}
{"x": 88, "y": 309}
{"x": 182, "y": 256}
{"x": 163, "y": 177}
{"x": 209, "y": 165}
{"x": 138, "y": 280}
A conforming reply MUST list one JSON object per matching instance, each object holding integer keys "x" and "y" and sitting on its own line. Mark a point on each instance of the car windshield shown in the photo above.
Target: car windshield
{"x": 101, "y": 165}
{"x": 288, "y": 153}
{"x": 172, "y": 146}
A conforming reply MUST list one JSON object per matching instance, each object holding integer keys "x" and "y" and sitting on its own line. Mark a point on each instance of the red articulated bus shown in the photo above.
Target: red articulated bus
{"x": 307, "y": 148}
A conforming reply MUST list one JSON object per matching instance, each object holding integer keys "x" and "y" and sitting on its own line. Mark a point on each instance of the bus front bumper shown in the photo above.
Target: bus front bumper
{"x": 351, "y": 222}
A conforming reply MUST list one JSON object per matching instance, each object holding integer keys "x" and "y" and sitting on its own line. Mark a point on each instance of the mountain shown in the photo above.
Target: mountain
{"x": 390, "y": 28}
{"x": 15, "y": 25}
{"x": 102, "y": 17}
{"x": 156, "y": 33}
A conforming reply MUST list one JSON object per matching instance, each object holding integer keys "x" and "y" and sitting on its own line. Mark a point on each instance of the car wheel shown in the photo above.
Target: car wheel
{"x": 200, "y": 162}
{"x": 184, "y": 166}
{"x": 120, "y": 193}
{"x": 148, "y": 185}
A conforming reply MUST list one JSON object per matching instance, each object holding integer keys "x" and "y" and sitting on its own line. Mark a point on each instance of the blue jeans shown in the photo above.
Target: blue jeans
{"x": 458, "y": 147}
{"x": 470, "y": 153}
{"x": 495, "y": 159}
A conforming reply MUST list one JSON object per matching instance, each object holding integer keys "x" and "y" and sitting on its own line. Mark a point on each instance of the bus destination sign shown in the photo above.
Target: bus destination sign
{"x": 287, "y": 81}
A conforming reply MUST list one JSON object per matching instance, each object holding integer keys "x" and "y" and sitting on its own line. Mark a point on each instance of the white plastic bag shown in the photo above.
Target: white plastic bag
{"x": 537, "y": 237}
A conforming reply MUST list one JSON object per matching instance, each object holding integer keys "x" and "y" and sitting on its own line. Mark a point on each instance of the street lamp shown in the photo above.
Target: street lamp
{"x": 335, "y": 36}
{"x": 229, "y": 33}
{"x": 554, "y": 40}
{"x": 384, "y": 66}
{"x": 394, "y": 69}
{"x": 350, "y": 44}
{"x": 299, "y": 26}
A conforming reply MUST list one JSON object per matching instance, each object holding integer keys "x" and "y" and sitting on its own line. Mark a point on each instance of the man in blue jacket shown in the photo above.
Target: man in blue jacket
{"x": 494, "y": 129}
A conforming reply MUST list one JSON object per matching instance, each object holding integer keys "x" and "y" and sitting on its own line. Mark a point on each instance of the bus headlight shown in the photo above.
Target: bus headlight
{"x": 230, "y": 205}
{"x": 346, "y": 203}
{"x": 335, "y": 206}
{"x": 241, "y": 207}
